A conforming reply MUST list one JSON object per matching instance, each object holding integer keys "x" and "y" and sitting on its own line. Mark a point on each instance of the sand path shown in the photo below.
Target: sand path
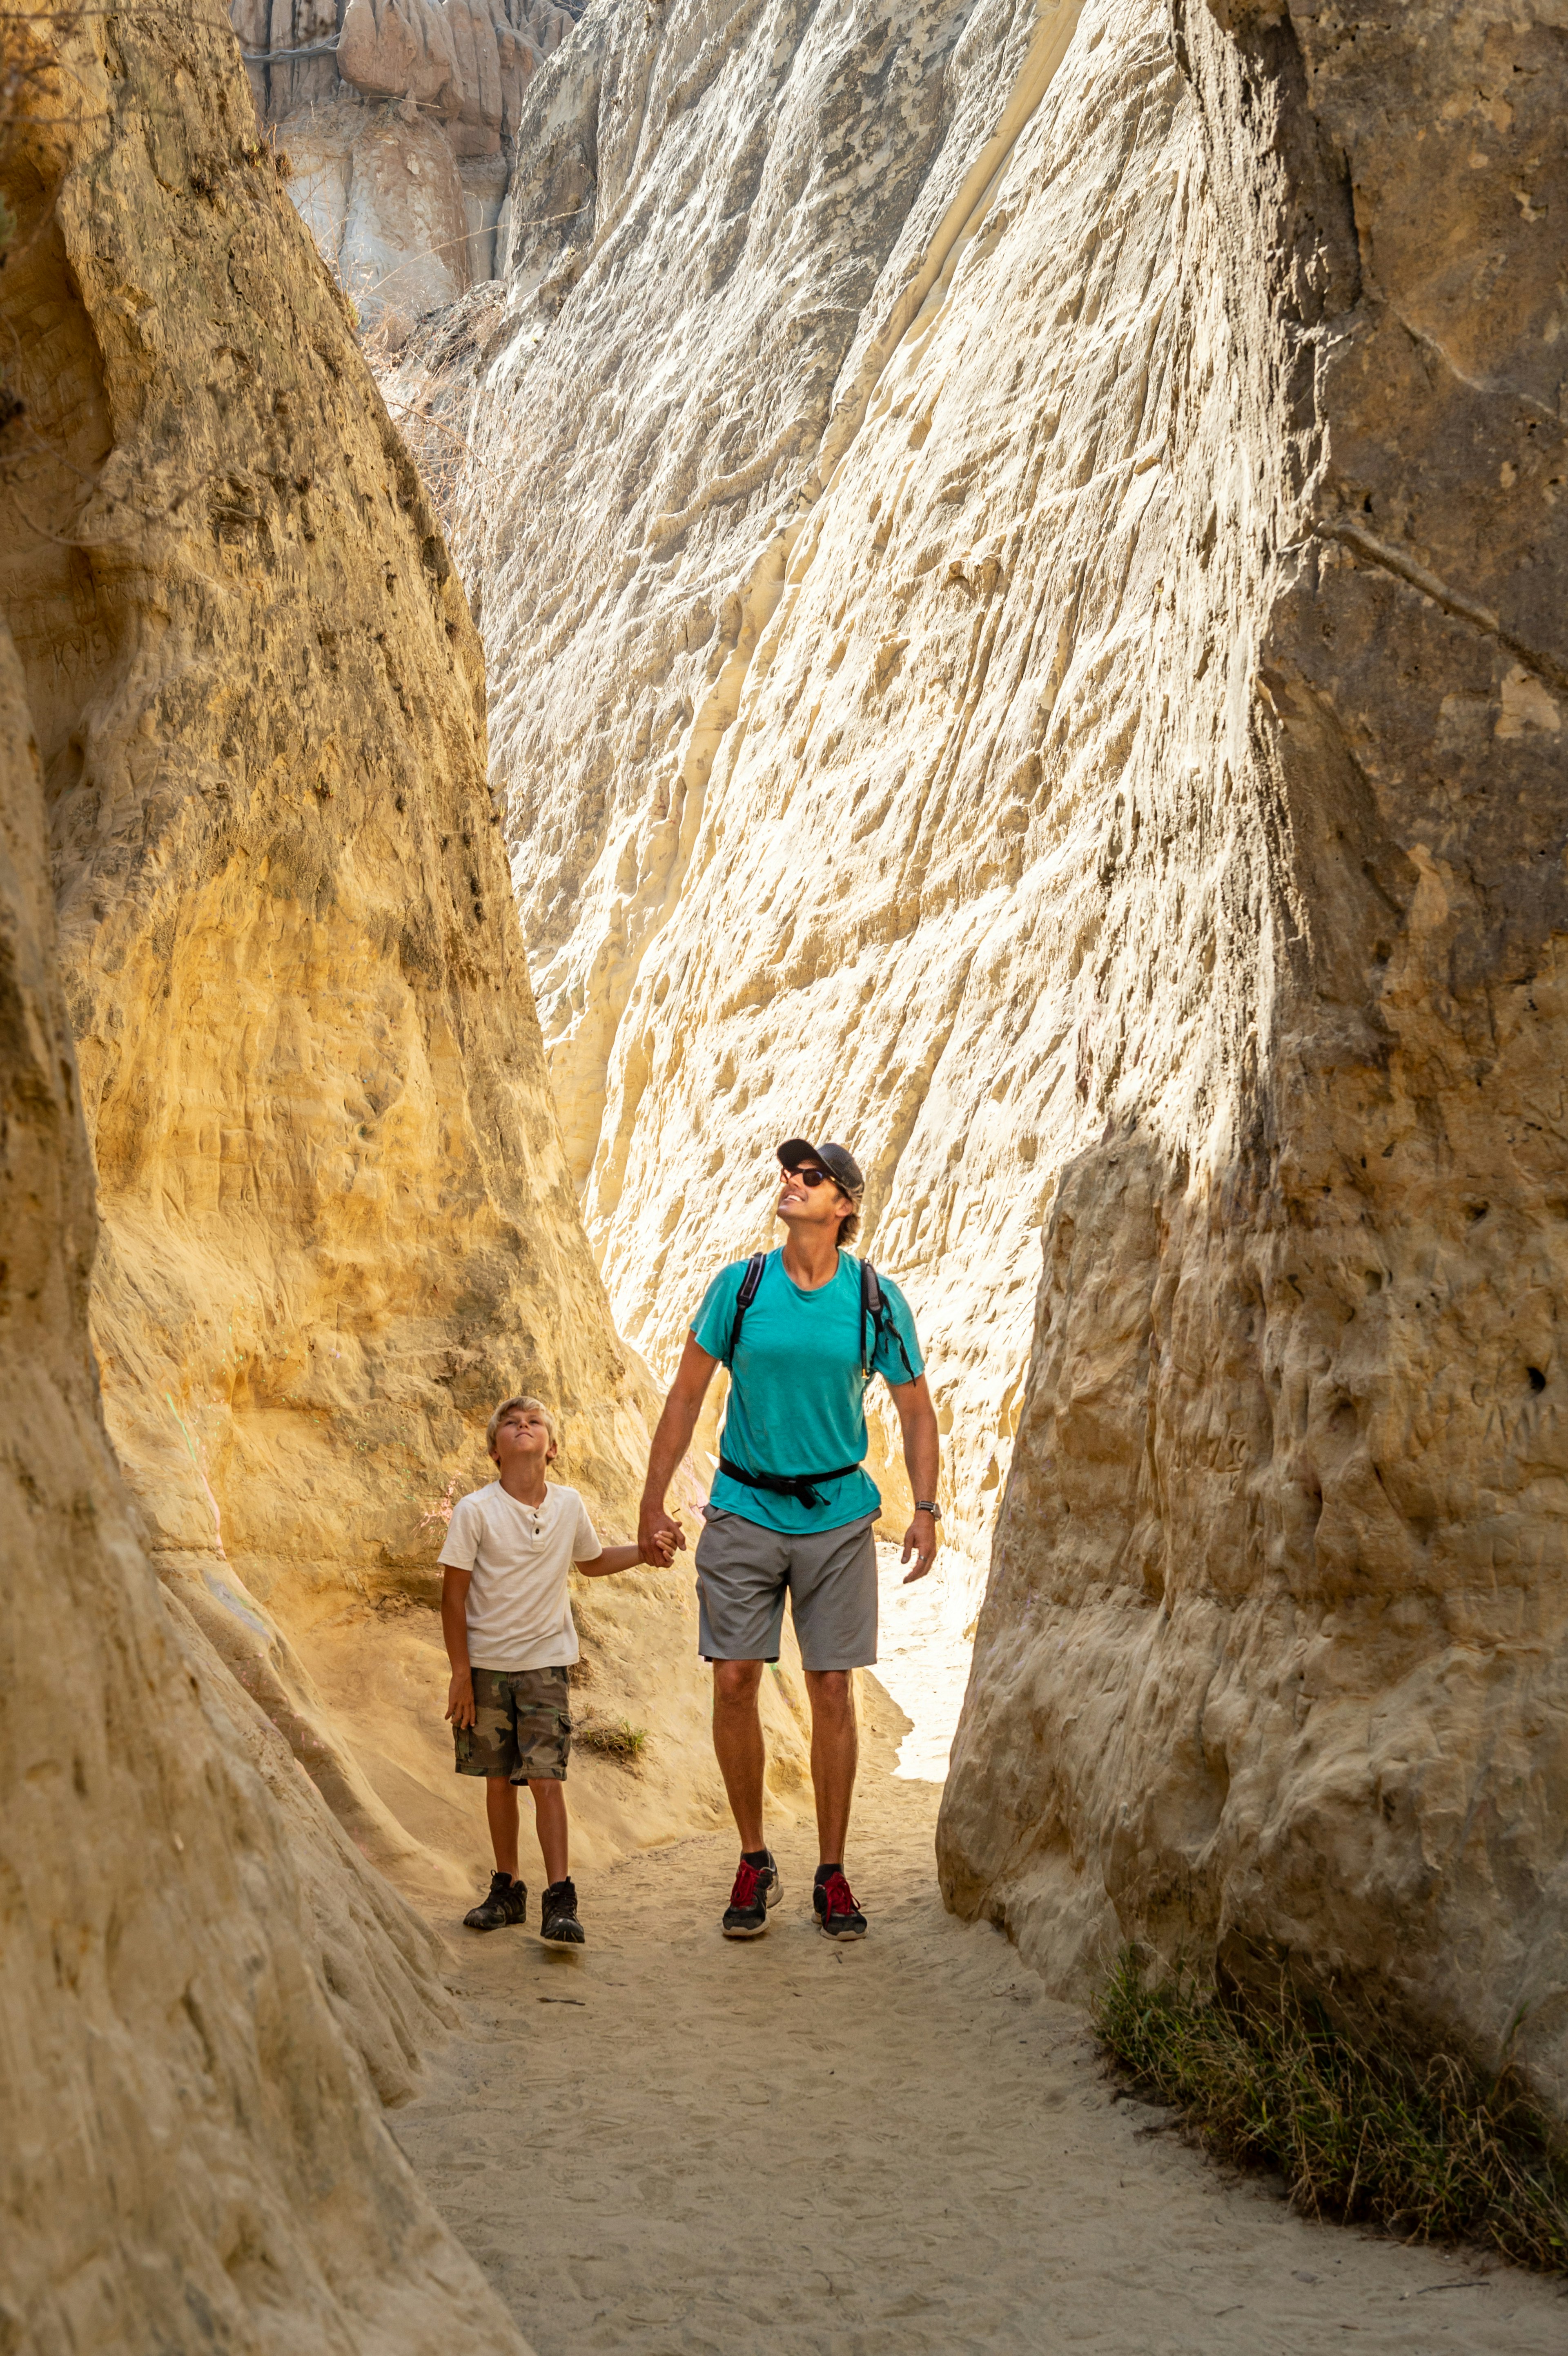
{"x": 671, "y": 2144}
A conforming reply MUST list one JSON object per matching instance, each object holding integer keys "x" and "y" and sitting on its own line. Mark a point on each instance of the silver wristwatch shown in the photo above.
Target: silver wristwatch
{"x": 928, "y": 1505}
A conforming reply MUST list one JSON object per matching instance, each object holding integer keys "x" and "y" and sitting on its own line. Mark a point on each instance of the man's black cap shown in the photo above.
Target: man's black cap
{"x": 836, "y": 1160}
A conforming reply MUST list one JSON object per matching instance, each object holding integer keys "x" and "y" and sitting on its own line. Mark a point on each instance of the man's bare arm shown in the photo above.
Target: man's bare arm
{"x": 923, "y": 1455}
{"x": 454, "y": 1628}
{"x": 660, "y": 1533}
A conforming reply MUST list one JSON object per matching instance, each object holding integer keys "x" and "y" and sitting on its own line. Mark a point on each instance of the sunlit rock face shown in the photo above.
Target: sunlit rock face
{"x": 338, "y": 1222}
{"x": 1021, "y": 562}
{"x": 753, "y": 839}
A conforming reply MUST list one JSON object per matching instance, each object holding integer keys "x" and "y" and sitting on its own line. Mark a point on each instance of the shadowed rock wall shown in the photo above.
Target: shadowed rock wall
{"x": 1273, "y": 1657}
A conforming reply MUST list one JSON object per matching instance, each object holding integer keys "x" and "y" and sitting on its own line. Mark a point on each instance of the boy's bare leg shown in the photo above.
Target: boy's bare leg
{"x": 835, "y": 1754}
{"x": 501, "y": 1807}
{"x": 549, "y": 1823}
{"x": 737, "y": 1744}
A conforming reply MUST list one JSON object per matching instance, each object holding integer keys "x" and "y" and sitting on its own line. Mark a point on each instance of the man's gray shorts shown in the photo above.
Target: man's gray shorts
{"x": 744, "y": 1570}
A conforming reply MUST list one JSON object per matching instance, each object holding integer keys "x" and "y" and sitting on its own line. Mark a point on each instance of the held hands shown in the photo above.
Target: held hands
{"x": 920, "y": 1539}
{"x": 460, "y": 1698}
{"x": 660, "y": 1536}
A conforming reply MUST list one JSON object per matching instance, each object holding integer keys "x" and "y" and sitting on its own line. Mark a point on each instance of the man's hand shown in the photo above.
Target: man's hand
{"x": 660, "y": 1536}
{"x": 920, "y": 1539}
{"x": 460, "y": 1698}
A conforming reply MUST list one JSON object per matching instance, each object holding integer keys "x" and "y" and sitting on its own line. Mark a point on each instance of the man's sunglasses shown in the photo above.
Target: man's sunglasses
{"x": 809, "y": 1177}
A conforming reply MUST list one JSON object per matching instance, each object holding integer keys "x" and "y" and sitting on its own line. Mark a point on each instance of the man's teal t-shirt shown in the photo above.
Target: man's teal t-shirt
{"x": 797, "y": 1396}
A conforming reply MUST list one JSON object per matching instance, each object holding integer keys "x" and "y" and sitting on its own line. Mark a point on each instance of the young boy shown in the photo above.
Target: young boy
{"x": 506, "y": 1618}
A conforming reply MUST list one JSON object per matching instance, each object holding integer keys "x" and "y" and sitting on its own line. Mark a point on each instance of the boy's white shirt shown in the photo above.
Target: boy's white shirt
{"x": 520, "y": 1613}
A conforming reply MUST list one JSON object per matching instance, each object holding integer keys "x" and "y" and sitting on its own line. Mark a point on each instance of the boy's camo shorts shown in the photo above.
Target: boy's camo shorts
{"x": 522, "y": 1725}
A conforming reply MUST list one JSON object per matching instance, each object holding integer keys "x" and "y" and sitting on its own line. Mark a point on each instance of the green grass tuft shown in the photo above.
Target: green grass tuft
{"x": 624, "y": 1741}
{"x": 1429, "y": 2149}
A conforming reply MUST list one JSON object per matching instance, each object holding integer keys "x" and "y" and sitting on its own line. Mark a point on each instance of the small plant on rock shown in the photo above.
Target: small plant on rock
{"x": 623, "y": 1741}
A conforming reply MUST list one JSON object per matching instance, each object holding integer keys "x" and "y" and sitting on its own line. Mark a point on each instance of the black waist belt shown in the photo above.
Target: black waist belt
{"x": 801, "y": 1487}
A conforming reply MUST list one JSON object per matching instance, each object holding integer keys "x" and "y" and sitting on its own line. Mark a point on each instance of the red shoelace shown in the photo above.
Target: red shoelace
{"x": 745, "y": 1890}
{"x": 837, "y": 1896}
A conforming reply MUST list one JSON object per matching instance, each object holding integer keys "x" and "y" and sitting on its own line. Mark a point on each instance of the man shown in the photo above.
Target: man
{"x": 801, "y": 1332}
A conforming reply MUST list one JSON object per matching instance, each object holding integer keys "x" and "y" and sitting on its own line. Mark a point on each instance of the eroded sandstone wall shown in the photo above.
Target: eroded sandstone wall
{"x": 208, "y": 1995}
{"x": 338, "y": 1223}
{"x": 1274, "y": 1654}
{"x": 397, "y": 118}
{"x": 1021, "y": 560}
{"x": 752, "y": 846}
{"x": 463, "y": 64}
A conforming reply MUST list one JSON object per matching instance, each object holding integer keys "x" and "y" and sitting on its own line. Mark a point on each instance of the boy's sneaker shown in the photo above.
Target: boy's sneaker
{"x": 558, "y": 1915}
{"x": 837, "y": 1915}
{"x": 507, "y": 1903}
{"x": 757, "y": 1887}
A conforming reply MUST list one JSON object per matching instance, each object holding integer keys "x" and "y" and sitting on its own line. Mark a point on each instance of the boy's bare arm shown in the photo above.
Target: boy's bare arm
{"x": 656, "y": 1529}
{"x": 454, "y": 1628}
{"x": 621, "y": 1558}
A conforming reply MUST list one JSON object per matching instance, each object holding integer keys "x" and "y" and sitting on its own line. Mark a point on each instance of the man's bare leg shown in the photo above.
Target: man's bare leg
{"x": 501, "y": 1807}
{"x": 549, "y": 1823}
{"x": 835, "y": 1755}
{"x": 737, "y": 1744}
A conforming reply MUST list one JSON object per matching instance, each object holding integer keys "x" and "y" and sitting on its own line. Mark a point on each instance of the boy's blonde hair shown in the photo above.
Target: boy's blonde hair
{"x": 538, "y": 1407}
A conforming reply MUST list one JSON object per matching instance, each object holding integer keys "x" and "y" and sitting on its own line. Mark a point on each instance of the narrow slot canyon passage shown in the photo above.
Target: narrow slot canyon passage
{"x": 669, "y": 2144}
{"x": 592, "y": 592}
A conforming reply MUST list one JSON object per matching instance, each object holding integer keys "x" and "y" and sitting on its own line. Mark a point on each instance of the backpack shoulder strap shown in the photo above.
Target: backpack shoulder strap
{"x": 874, "y": 1311}
{"x": 744, "y": 1299}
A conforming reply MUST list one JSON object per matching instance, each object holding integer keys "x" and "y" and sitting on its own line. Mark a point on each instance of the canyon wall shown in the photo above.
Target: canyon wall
{"x": 764, "y": 888}
{"x": 1021, "y": 553}
{"x": 208, "y": 1995}
{"x": 1273, "y": 1659}
{"x": 397, "y": 118}
{"x": 338, "y": 1219}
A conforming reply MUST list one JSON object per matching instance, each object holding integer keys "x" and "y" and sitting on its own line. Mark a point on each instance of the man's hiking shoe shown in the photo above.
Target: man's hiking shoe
{"x": 837, "y": 1912}
{"x": 507, "y": 1903}
{"x": 558, "y": 1915}
{"x": 757, "y": 1887}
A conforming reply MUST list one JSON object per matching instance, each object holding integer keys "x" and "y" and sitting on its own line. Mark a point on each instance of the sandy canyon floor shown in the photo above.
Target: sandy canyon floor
{"x": 673, "y": 2145}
